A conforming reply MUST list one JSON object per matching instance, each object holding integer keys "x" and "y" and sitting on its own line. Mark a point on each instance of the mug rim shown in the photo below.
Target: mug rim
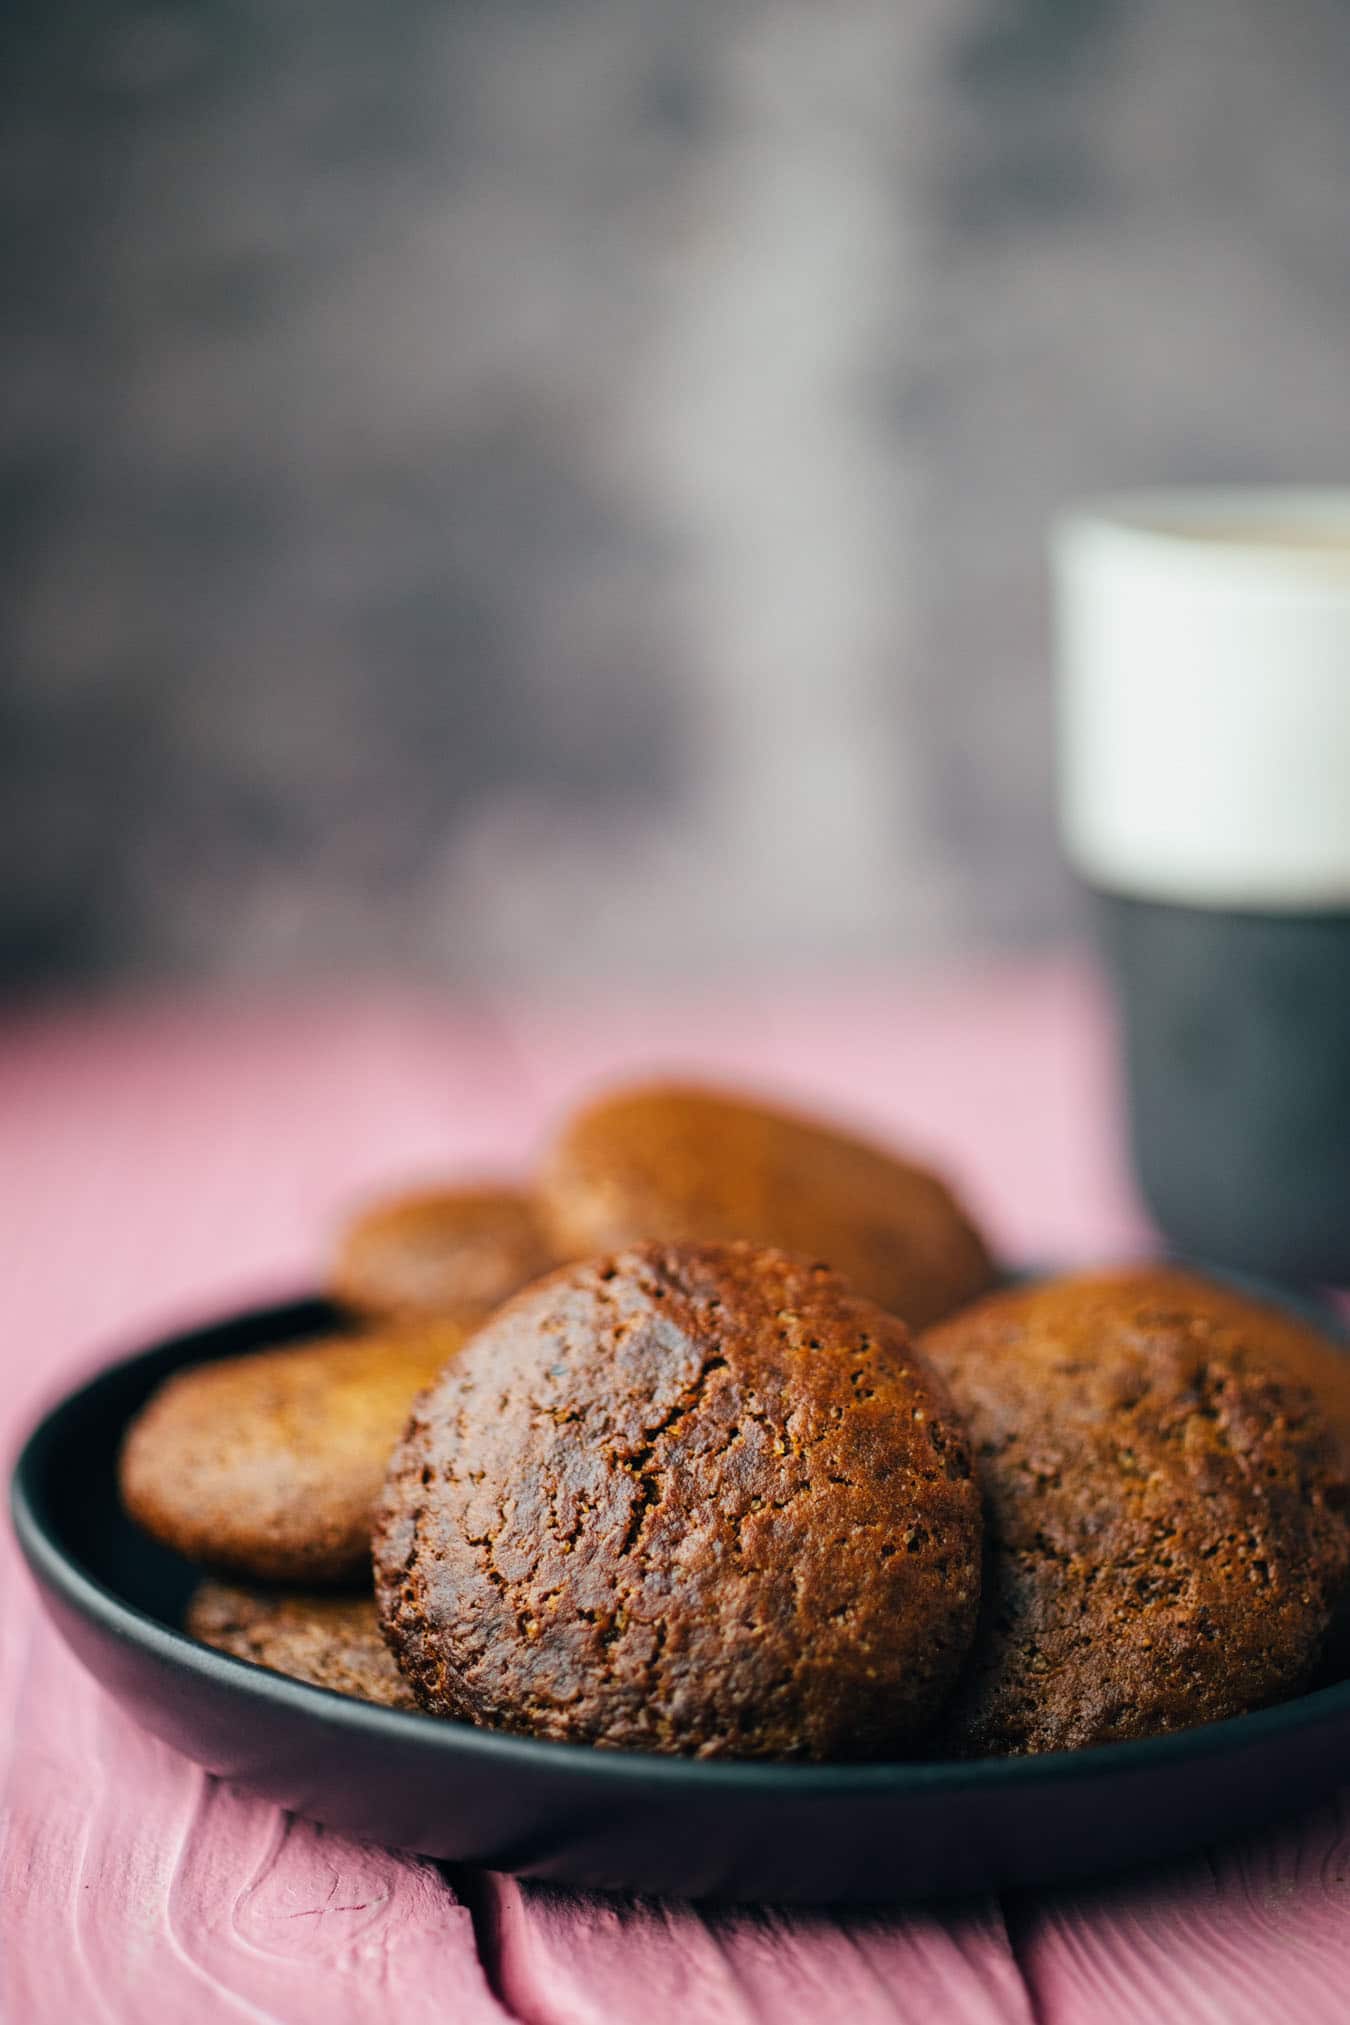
{"x": 1218, "y": 528}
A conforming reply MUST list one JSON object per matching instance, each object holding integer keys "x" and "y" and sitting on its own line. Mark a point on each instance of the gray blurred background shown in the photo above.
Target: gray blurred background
{"x": 519, "y": 492}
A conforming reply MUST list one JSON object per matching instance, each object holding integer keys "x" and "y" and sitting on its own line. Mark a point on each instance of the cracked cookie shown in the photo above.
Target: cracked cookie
{"x": 331, "y": 1641}
{"x": 679, "y": 1164}
{"x": 686, "y": 1498}
{"x": 268, "y": 1465}
{"x": 1165, "y": 1531}
{"x": 444, "y": 1251}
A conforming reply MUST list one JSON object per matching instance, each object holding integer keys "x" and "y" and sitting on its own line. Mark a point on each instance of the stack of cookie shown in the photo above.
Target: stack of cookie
{"x": 632, "y": 1468}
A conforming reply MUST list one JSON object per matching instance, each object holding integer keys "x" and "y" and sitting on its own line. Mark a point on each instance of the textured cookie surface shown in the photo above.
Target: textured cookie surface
{"x": 687, "y": 1498}
{"x": 1164, "y": 1513}
{"x": 452, "y": 1251}
{"x": 269, "y": 1465}
{"x": 330, "y": 1641}
{"x": 1251, "y": 1330}
{"x": 684, "y": 1164}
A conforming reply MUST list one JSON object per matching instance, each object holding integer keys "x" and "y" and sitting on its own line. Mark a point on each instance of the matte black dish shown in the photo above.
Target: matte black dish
{"x": 820, "y": 1834}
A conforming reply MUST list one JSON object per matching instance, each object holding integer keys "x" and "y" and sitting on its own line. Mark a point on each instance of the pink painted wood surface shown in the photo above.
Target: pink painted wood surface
{"x": 159, "y": 1162}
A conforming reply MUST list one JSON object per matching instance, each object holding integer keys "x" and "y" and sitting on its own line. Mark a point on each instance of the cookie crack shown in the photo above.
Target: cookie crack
{"x": 639, "y": 1463}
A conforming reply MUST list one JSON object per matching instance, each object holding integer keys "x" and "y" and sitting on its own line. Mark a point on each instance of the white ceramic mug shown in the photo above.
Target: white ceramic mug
{"x": 1204, "y": 780}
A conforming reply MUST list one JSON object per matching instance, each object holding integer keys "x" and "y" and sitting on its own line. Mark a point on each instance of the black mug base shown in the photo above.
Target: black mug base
{"x": 1236, "y": 1033}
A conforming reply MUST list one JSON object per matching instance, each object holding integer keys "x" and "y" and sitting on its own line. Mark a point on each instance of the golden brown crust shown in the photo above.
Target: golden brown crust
{"x": 1278, "y": 1340}
{"x": 688, "y": 1498}
{"x": 268, "y": 1465}
{"x": 331, "y": 1641}
{"x": 458, "y": 1252}
{"x": 679, "y": 1164}
{"x": 1164, "y": 1512}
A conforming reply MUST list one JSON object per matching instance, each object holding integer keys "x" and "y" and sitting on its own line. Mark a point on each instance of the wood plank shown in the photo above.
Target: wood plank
{"x": 138, "y": 1887}
{"x": 571, "y": 1959}
{"x": 1255, "y": 1931}
{"x": 182, "y": 1161}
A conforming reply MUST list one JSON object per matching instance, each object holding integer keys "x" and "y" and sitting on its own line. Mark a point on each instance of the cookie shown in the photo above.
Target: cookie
{"x": 1274, "y": 1338}
{"x": 687, "y": 1498}
{"x": 330, "y": 1641}
{"x": 267, "y": 1466}
{"x": 690, "y": 1165}
{"x": 447, "y": 1251}
{"x": 1164, "y": 1513}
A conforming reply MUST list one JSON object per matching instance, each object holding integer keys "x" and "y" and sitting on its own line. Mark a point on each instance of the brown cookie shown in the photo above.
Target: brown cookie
{"x": 447, "y": 1251}
{"x": 690, "y": 1165}
{"x": 330, "y": 1641}
{"x": 1272, "y": 1337}
{"x": 268, "y": 1465}
{"x": 699, "y": 1499}
{"x": 1164, "y": 1512}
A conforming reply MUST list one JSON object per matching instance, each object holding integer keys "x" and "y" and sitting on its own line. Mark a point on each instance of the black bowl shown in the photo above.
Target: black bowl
{"x": 820, "y": 1834}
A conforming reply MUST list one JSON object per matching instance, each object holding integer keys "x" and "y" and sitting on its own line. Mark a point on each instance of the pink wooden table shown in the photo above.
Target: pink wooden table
{"x": 164, "y": 1162}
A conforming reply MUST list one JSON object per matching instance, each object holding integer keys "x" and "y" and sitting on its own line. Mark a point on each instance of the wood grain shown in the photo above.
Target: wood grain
{"x": 136, "y": 1886}
{"x": 568, "y": 1959}
{"x": 160, "y": 1162}
{"x": 1256, "y": 1931}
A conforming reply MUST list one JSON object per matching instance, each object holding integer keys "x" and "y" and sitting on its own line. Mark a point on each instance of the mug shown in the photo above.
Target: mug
{"x": 1203, "y": 651}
